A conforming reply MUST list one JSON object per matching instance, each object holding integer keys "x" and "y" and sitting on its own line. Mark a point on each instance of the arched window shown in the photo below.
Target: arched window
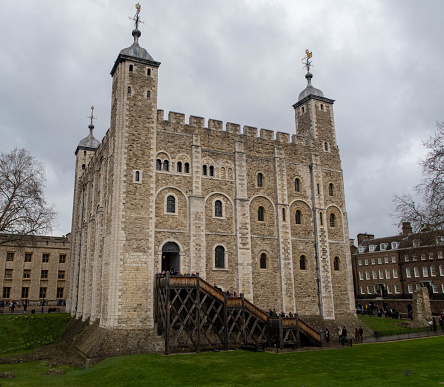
{"x": 83, "y": 166}
{"x": 322, "y": 106}
{"x": 302, "y": 262}
{"x": 129, "y": 90}
{"x": 260, "y": 214}
{"x": 222, "y": 173}
{"x": 148, "y": 94}
{"x": 187, "y": 168}
{"x": 336, "y": 263}
{"x": 204, "y": 170}
{"x": 211, "y": 170}
{"x": 298, "y": 217}
{"x": 171, "y": 204}
{"x": 425, "y": 272}
{"x": 330, "y": 189}
{"x": 326, "y": 146}
{"x": 148, "y": 72}
{"x": 332, "y": 220}
{"x": 433, "y": 271}
{"x": 219, "y": 257}
{"x": 179, "y": 167}
{"x": 283, "y": 214}
{"x": 263, "y": 261}
{"x": 165, "y": 165}
{"x": 218, "y": 208}
{"x": 260, "y": 180}
{"x": 416, "y": 271}
{"x": 137, "y": 176}
{"x": 297, "y": 185}
{"x": 158, "y": 164}
{"x": 441, "y": 270}
{"x": 408, "y": 273}
{"x": 130, "y": 67}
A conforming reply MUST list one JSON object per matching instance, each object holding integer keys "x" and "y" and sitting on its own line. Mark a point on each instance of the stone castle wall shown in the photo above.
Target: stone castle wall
{"x": 121, "y": 223}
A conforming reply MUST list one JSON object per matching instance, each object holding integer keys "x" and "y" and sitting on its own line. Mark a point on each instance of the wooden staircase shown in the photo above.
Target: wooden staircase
{"x": 194, "y": 316}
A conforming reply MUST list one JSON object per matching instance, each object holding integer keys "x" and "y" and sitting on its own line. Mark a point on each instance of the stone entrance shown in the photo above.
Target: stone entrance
{"x": 171, "y": 257}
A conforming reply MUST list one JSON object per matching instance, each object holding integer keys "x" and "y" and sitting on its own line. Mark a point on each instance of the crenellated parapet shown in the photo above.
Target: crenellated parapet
{"x": 176, "y": 122}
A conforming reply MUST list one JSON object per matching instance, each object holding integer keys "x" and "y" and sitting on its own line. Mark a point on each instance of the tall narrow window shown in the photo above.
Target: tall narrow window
{"x": 158, "y": 164}
{"x": 165, "y": 165}
{"x": 148, "y": 94}
{"x": 171, "y": 204}
{"x": 137, "y": 176}
{"x": 336, "y": 263}
{"x": 211, "y": 170}
{"x": 130, "y": 67}
{"x": 219, "y": 257}
{"x": 204, "y": 170}
{"x": 129, "y": 91}
{"x": 179, "y": 167}
{"x": 218, "y": 208}
{"x": 302, "y": 262}
{"x": 260, "y": 180}
{"x": 330, "y": 189}
{"x": 332, "y": 220}
{"x": 297, "y": 185}
{"x": 326, "y": 146}
{"x": 260, "y": 214}
{"x": 148, "y": 72}
{"x": 263, "y": 261}
{"x": 298, "y": 217}
{"x": 283, "y": 214}
{"x": 187, "y": 168}
{"x": 321, "y": 218}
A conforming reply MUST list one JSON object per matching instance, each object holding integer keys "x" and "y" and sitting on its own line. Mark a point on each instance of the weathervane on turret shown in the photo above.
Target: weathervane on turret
{"x": 306, "y": 60}
{"x": 136, "y": 17}
{"x": 91, "y": 117}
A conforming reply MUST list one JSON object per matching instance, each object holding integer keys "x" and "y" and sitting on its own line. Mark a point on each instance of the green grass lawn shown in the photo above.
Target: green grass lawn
{"x": 387, "y": 326}
{"x": 24, "y": 332}
{"x": 380, "y": 364}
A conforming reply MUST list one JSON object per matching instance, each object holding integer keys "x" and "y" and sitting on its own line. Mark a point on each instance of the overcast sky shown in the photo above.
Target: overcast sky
{"x": 236, "y": 61}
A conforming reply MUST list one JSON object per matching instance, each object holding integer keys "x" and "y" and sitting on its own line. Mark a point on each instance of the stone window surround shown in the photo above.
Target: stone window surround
{"x": 213, "y": 252}
{"x": 338, "y": 265}
{"x": 263, "y": 180}
{"x": 266, "y": 260}
{"x": 298, "y": 185}
{"x": 140, "y": 176}
{"x": 213, "y": 208}
{"x": 165, "y": 207}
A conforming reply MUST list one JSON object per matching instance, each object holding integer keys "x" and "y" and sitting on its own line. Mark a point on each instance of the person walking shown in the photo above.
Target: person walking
{"x": 327, "y": 335}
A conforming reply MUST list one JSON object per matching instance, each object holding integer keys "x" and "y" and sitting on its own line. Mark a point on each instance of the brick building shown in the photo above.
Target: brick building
{"x": 392, "y": 268}
{"x": 263, "y": 215}
{"x": 34, "y": 268}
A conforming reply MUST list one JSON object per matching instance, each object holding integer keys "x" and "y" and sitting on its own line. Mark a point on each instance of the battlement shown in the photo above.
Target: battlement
{"x": 175, "y": 119}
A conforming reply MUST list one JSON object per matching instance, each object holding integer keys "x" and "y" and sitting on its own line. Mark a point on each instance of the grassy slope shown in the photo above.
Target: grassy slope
{"x": 387, "y": 326}
{"x": 22, "y": 332}
{"x": 363, "y": 365}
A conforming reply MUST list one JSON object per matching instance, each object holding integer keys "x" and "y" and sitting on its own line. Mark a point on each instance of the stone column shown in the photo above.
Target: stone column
{"x": 242, "y": 214}
{"x": 196, "y": 214}
{"x": 284, "y": 233}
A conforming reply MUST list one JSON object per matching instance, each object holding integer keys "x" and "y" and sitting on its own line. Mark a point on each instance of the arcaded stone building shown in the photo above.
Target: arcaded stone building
{"x": 34, "y": 268}
{"x": 256, "y": 212}
{"x": 390, "y": 269}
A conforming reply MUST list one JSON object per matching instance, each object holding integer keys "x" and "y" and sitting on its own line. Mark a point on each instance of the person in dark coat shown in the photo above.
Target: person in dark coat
{"x": 327, "y": 335}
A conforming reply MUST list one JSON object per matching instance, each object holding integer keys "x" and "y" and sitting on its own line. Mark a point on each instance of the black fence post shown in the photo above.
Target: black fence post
{"x": 167, "y": 317}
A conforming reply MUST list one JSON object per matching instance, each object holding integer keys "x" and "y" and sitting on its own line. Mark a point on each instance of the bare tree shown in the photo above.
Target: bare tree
{"x": 429, "y": 211}
{"x": 23, "y": 208}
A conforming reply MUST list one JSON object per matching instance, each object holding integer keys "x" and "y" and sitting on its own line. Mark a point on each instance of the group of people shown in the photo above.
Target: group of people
{"x": 433, "y": 324}
{"x": 273, "y": 313}
{"x": 342, "y": 334}
{"x": 376, "y": 310}
{"x": 12, "y": 304}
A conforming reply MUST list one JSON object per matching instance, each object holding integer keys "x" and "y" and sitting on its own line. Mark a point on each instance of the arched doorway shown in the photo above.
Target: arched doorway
{"x": 170, "y": 257}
